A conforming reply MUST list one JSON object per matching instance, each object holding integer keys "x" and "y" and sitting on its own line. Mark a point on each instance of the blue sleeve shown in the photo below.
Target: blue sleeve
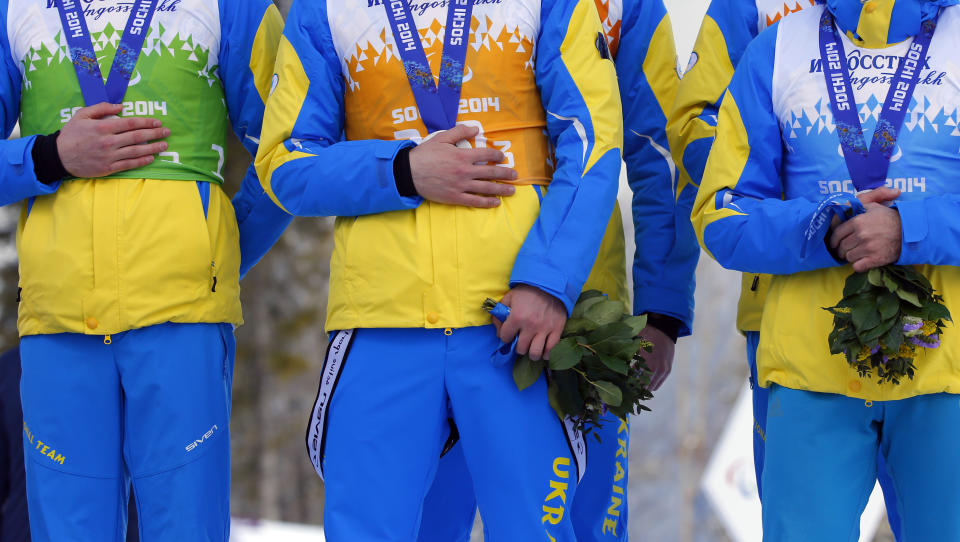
{"x": 739, "y": 215}
{"x": 579, "y": 91}
{"x": 666, "y": 257}
{"x": 251, "y": 30}
{"x": 931, "y": 231}
{"x": 18, "y": 180}
{"x": 304, "y": 164}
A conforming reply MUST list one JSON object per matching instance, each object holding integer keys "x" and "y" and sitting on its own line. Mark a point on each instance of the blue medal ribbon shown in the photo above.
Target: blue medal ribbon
{"x": 843, "y": 206}
{"x": 85, "y": 58}
{"x": 438, "y": 103}
{"x": 868, "y": 167}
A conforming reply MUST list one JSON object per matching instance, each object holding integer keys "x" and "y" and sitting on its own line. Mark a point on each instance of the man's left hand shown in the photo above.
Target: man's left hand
{"x": 869, "y": 240}
{"x": 660, "y": 361}
{"x": 536, "y": 317}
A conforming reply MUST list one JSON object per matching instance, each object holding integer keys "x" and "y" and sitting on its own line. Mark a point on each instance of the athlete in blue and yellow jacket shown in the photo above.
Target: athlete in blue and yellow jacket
{"x": 129, "y": 281}
{"x": 727, "y": 28}
{"x": 412, "y": 265}
{"x": 641, "y": 41}
{"x": 774, "y": 159}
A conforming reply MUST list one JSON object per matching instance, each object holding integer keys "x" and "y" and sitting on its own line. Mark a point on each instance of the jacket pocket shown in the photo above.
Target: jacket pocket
{"x": 165, "y": 251}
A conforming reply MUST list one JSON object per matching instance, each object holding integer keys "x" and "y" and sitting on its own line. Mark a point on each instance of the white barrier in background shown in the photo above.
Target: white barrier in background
{"x": 247, "y": 530}
{"x": 730, "y": 485}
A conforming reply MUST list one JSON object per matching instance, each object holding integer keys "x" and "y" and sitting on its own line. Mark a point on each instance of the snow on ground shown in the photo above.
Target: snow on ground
{"x": 247, "y": 530}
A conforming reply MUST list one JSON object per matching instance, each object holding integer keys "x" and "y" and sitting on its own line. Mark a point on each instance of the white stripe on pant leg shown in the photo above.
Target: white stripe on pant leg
{"x": 578, "y": 446}
{"x": 332, "y": 368}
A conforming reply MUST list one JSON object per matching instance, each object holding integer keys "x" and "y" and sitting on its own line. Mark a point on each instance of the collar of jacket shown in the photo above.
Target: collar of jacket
{"x": 880, "y": 23}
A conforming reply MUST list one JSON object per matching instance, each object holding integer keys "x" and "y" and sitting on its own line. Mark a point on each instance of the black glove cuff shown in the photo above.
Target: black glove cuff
{"x": 403, "y": 175}
{"x": 46, "y": 159}
{"x": 669, "y": 325}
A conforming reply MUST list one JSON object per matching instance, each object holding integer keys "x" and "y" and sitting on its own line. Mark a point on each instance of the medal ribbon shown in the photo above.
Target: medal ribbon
{"x": 84, "y": 57}
{"x": 438, "y": 103}
{"x": 868, "y": 167}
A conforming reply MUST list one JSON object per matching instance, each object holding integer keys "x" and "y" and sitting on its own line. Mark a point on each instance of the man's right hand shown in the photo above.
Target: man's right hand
{"x": 444, "y": 173}
{"x": 95, "y": 143}
{"x": 883, "y": 196}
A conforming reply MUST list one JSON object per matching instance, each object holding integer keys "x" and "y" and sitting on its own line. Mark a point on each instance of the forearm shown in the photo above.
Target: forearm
{"x": 761, "y": 235}
{"x": 350, "y": 178}
{"x": 563, "y": 243}
{"x": 666, "y": 254}
{"x": 18, "y": 174}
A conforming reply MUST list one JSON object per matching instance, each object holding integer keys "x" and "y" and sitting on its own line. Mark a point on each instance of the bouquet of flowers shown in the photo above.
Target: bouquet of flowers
{"x": 887, "y": 316}
{"x": 596, "y": 367}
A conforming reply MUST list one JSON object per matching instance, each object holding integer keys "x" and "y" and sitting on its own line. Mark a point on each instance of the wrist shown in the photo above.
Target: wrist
{"x": 47, "y": 164}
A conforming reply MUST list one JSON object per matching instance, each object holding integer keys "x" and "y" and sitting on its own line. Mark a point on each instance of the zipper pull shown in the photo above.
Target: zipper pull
{"x": 107, "y": 340}
{"x": 756, "y": 283}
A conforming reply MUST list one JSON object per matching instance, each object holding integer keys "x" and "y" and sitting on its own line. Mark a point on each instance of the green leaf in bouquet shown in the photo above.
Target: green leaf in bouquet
{"x": 894, "y": 337}
{"x": 605, "y": 312}
{"x": 616, "y": 364}
{"x": 910, "y": 297}
{"x": 839, "y": 313}
{"x": 889, "y": 305}
{"x": 582, "y": 306}
{"x": 610, "y": 394}
{"x": 553, "y": 396}
{"x": 621, "y": 411}
{"x": 636, "y": 323}
{"x": 630, "y": 349}
{"x": 588, "y": 294}
{"x": 610, "y": 332}
{"x": 566, "y": 354}
{"x": 865, "y": 299}
{"x": 906, "y": 274}
{"x": 568, "y": 392}
{"x": 865, "y": 317}
{"x": 871, "y": 335}
{"x": 890, "y": 284}
{"x": 933, "y": 311}
{"x": 578, "y": 325}
{"x": 836, "y": 346}
{"x": 526, "y": 372}
{"x": 874, "y": 277}
{"x": 855, "y": 284}
{"x": 838, "y": 340}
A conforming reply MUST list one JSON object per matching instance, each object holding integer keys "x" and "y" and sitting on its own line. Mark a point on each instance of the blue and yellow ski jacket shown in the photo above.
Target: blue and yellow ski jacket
{"x": 727, "y": 28}
{"x": 539, "y": 89}
{"x": 158, "y": 244}
{"x": 776, "y": 156}
{"x": 641, "y": 40}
